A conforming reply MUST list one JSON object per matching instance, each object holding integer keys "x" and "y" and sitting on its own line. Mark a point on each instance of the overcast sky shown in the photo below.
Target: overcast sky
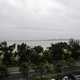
{"x": 39, "y": 19}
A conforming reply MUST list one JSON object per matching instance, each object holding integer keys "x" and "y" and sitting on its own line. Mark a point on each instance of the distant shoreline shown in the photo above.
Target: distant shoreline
{"x": 42, "y": 40}
{"x": 32, "y": 43}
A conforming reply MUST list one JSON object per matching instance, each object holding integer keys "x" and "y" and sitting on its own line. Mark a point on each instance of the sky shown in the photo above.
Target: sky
{"x": 39, "y": 19}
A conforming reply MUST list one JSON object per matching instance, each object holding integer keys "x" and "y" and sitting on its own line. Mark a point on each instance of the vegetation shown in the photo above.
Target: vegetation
{"x": 45, "y": 64}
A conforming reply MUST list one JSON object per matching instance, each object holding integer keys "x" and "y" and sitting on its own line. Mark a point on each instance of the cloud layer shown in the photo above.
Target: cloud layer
{"x": 39, "y": 19}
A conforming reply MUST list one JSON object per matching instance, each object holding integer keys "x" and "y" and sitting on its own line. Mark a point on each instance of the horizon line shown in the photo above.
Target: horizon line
{"x": 66, "y": 39}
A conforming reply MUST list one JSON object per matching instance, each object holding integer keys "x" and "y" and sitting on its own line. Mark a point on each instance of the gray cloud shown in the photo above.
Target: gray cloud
{"x": 39, "y": 19}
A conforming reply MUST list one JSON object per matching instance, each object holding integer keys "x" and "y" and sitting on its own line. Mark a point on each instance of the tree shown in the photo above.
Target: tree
{"x": 7, "y": 52}
{"x": 24, "y": 52}
{"x": 36, "y": 54}
{"x": 47, "y": 56}
{"x": 56, "y": 51}
{"x": 38, "y": 49}
{"x": 75, "y": 49}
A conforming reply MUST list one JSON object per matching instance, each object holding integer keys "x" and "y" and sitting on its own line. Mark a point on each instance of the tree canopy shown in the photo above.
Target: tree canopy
{"x": 50, "y": 60}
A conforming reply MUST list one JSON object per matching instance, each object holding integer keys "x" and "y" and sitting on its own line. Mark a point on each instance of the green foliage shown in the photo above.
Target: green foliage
{"x": 7, "y": 52}
{"x": 56, "y": 50}
{"x": 24, "y": 69}
{"x": 38, "y": 49}
{"x": 45, "y": 62}
{"x": 38, "y": 78}
{"x": 3, "y": 71}
{"x": 23, "y": 51}
{"x": 75, "y": 48}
